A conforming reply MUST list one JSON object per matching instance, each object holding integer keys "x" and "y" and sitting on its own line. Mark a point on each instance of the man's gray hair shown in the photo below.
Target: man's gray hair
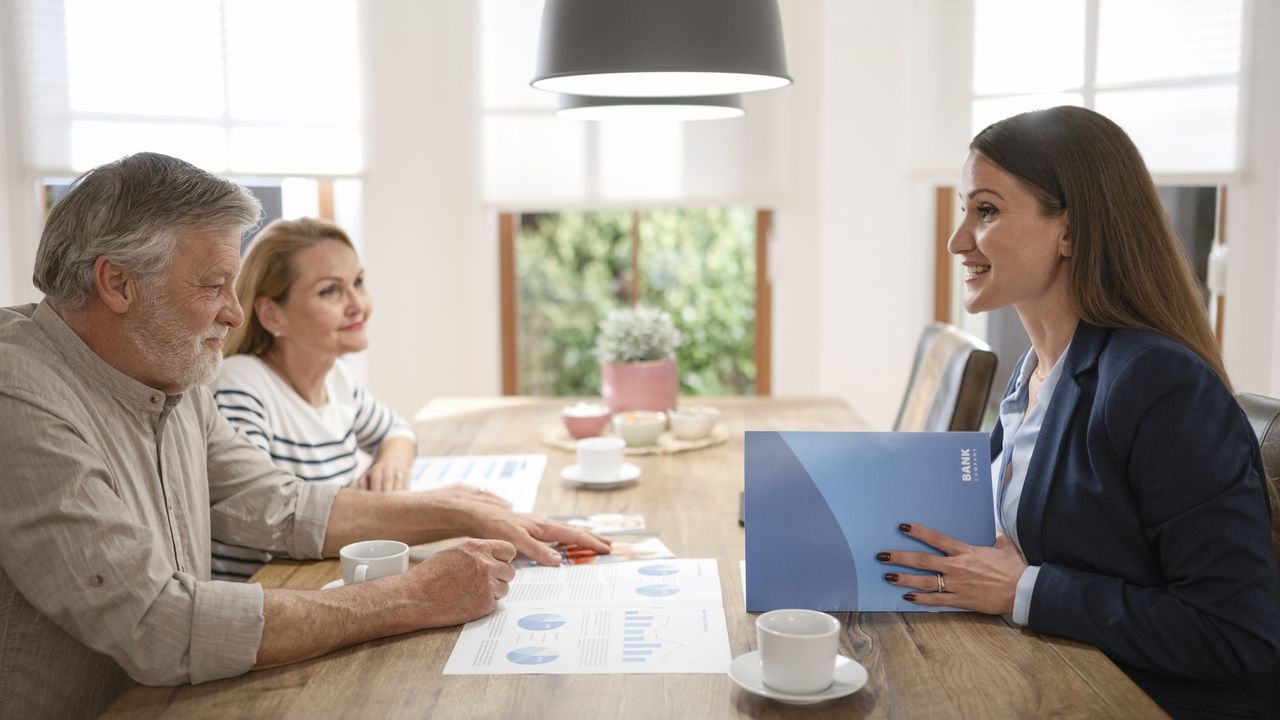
{"x": 132, "y": 211}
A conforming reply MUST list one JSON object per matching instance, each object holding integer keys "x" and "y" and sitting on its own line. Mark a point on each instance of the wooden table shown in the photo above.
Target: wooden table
{"x": 940, "y": 665}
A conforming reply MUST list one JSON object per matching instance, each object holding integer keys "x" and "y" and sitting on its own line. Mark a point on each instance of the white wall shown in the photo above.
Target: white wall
{"x": 1252, "y": 322}
{"x": 8, "y": 165}
{"x": 869, "y": 298}
{"x": 20, "y": 212}
{"x": 882, "y": 137}
{"x": 429, "y": 250}
{"x": 793, "y": 249}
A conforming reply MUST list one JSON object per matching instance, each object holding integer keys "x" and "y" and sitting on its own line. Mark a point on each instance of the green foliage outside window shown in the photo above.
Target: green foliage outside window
{"x": 698, "y": 265}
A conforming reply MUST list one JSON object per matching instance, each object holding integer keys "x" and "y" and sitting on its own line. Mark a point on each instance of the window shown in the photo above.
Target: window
{"x": 563, "y": 271}
{"x": 1168, "y": 71}
{"x": 234, "y": 86}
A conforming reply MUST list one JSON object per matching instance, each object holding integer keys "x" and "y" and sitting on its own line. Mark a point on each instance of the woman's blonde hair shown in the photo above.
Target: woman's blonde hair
{"x": 269, "y": 271}
{"x": 1128, "y": 268}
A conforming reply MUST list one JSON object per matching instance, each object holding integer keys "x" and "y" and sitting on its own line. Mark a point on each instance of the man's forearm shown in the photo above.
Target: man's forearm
{"x": 408, "y": 517}
{"x": 299, "y": 625}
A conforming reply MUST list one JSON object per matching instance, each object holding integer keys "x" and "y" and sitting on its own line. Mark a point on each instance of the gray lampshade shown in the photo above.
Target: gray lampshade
{"x": 660, "y": 48}
{"x": 713, "y": 107}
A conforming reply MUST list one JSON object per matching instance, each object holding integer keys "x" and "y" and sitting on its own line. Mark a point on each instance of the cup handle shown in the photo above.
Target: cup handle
{"x": 361, "y": 572}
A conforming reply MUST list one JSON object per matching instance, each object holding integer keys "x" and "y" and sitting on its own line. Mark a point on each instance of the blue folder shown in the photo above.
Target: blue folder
{"x": 820, "y": 505}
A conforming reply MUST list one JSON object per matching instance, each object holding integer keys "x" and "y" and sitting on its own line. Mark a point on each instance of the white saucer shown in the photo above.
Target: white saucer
{"x": 850, "y": 677}
{"x": 629, "y": 473}
{"x": 331, "y": 585}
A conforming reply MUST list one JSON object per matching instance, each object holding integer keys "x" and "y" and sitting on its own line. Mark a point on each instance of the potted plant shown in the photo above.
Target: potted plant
{"x": 636, "y": 347}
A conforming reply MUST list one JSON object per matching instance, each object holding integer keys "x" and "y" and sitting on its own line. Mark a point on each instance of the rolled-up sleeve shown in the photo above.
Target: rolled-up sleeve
{"x": 226, "y": 629}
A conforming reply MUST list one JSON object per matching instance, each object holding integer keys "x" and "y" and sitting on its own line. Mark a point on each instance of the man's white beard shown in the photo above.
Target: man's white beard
{"x": 179, "y": 358}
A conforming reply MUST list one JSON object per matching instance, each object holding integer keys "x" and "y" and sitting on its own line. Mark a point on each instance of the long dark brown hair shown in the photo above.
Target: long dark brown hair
{"x": 1127, "y": 267}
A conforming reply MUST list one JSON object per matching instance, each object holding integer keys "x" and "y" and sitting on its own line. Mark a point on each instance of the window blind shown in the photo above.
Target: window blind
{"x": 264, "y": 87}
{"x": 1167, "y": 71}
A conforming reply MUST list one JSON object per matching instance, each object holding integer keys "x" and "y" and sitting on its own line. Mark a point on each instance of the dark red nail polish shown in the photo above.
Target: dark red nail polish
{"x": 891, "y": 577}
{"x": 909, "y": 597}
{"x": 882, "y": 557}
{"x": 904, "y": 527}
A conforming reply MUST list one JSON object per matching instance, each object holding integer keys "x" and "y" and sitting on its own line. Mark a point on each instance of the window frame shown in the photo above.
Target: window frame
{"x": 509, "y": 229}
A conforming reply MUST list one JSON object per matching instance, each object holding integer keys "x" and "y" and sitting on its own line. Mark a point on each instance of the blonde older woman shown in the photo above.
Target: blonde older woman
{"x": 305, "y": 303}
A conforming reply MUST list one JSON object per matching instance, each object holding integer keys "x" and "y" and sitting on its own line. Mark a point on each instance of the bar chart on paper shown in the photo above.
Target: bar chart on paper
{"x": 643, "y": 639}
{"x": 514, "y": 478}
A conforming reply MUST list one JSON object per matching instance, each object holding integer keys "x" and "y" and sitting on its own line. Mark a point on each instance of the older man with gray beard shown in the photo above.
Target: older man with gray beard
{"x": 119, "y": 469}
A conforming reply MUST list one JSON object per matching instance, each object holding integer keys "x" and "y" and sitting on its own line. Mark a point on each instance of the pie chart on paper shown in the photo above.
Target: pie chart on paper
{"x": 541, "y": 621}
{"x": 658, "y": 570}
{"x": 532, "y": 655}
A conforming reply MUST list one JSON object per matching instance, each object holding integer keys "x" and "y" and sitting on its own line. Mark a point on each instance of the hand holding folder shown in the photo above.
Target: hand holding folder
{"x": 821, "y": 505}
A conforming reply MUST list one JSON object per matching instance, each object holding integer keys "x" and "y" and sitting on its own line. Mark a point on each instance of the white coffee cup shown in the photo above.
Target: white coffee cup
{"x": 373, "y": 559}
{"x": 600, "y": 458}
{"x": 797, "y": 650}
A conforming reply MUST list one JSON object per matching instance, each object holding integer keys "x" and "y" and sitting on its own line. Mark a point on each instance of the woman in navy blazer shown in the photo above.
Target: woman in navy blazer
{"x": 1128, "y": 481}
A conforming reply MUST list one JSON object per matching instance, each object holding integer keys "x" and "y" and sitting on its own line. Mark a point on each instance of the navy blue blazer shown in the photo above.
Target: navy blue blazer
{"x": 1144, "y": 507}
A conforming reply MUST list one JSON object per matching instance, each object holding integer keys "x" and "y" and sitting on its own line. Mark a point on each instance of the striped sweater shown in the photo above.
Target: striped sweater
{"x": 318, "y": 444}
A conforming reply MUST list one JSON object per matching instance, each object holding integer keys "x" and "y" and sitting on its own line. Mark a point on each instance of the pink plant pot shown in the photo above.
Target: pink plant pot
{"x": 640, "y": 386}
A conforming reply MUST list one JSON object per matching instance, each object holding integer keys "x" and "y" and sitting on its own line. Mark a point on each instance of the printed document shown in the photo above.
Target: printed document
{"x": 662, "y": 616}
{"x": 514, "y": 478}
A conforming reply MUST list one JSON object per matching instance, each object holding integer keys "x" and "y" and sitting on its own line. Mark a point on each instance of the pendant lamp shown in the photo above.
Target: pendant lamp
{"x": 713, "y": 107}
{"x": 660, "y": 48}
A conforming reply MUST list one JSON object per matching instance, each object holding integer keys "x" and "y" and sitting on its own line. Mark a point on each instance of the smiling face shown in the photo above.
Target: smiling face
{"x": 327, "y": 306}
{"x": 1012, "y": 253}
{"x": 185, "y": 312}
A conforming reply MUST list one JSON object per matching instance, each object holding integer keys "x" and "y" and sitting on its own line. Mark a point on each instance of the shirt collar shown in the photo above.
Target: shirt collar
{"x": 84, "y": 360}
{"x": 1029, "y": 364}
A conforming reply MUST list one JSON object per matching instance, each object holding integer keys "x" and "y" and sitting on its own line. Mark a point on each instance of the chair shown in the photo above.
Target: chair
{"x": 1264, "y": 415}
{"x": 950, "y": 382}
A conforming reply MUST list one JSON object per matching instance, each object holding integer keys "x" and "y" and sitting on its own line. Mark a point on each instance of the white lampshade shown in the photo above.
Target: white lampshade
{"x": 713, "y": 107}
{"x": 660, "y": 48}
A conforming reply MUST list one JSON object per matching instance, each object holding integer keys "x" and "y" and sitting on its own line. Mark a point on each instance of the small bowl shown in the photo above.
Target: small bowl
{"x": 585, "y": 420}
{"x": 639, "y": 427}
{"x": 693, "y": 422}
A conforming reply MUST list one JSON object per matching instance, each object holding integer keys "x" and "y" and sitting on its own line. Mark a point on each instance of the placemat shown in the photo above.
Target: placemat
{"x": 555, "y": 435}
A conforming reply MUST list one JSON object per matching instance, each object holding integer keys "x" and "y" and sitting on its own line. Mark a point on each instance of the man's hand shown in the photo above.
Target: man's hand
{"x": 485, "y": 515}
{"x": 531, "y": 533}
{"x": 463, "y": 582}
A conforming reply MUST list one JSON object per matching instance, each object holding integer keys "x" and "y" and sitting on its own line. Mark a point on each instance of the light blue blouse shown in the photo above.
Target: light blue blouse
{"x": 1021, "y": 428}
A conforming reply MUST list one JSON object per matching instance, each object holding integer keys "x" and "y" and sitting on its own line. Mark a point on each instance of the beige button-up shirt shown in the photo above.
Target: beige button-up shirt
{"x": 109, "y": 493}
